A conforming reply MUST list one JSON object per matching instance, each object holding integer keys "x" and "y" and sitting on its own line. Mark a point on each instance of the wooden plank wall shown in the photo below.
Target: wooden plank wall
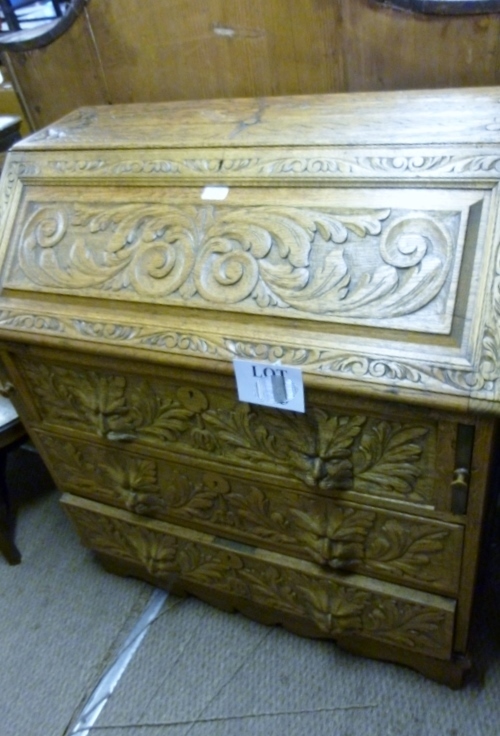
{"x": 147, "y": 50}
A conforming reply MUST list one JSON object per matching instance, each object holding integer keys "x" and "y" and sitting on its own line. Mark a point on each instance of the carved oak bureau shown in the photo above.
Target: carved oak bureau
{"x": 354, "y": 237}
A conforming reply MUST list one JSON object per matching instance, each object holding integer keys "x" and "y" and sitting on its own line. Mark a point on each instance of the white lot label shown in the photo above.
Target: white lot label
{"x": 270, "y": 385}
{"x": 216, "y": 193}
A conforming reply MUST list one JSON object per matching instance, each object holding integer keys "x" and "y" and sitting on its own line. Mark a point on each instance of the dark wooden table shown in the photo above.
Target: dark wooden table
{"x": 12, "y": 434}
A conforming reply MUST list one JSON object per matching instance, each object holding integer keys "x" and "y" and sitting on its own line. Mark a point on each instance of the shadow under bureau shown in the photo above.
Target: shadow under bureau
{"x": 143, "y": 248}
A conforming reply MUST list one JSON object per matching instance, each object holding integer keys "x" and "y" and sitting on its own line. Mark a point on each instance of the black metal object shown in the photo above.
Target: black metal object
{"x": 46, "y": 32}
{"x": 445, "y": 7}
{"x": 9, "y": 10}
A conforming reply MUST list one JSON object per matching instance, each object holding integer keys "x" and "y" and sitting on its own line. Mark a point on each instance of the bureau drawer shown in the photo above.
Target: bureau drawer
{"x": 324, "y": 604}
{"x": 339, "y": 447}
{"x": 335, "y": 534}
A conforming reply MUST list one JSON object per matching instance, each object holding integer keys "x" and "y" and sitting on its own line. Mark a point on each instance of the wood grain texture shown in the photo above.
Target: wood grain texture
{"x": 334, "y": 533}
{"x": 388, "y": 49}
{"x": 131, "y": 51}
{"x": 357, "y": 238}
{"x": 407, "y": 257}
{"x": 59, "y": 74}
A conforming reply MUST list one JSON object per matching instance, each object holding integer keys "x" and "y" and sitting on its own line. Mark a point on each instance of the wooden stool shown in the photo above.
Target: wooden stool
{"x": 12, "y": 434}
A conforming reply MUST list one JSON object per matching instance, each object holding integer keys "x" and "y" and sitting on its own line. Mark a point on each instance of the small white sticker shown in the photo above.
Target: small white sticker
{"x": 215, "y": 193}
{"x": 270, "y": 385}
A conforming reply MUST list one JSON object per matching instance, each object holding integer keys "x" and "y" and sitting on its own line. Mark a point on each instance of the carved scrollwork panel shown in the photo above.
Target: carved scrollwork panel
{"x": 334, "y": 605}
{"x": 369, "y": 265}
{"x": 333, "y": 166}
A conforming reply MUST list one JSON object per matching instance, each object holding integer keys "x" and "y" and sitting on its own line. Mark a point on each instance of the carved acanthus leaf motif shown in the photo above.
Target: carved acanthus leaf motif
{"x": 410, "y": 548}
{"x": 12, "y": 172}
{"x": 83, "y": 399}
{"x": 319, "y": 452}
{"x": 258, "y": 257}
{"x": 255, "y": 513}
{"x": 260, "y": 253}
{"x": 105, "y": 331}
{"x": 405, "y": 624}
{"x": 483, "y": 381}
{"x": 365, "y": 368}
{"x": 31, "y": 322}
{"x": 135, "y": 481}
{"x": 489, "y": 364}
{"x": 335, "y": 607}
{"x": 316, "y": 448}
{"x": 77, "y": 166}
{"x": 86, "y": 470}
{"x": 335, "y": 535}
{"x": 337, "y": 610}
{"x": 218, "y": 569}
{"x": 107, "y": 404}
{"x": 325, "y": 531}
{"x": 387, "y": 459}
{"x": 204, "y": 500}
{"x": 156, "y": 417}
{"x": 368, "y": 166}
{"x": 155, "y": 552}
{"x": 72, "y": 465}
{"x": 156, "y": 339}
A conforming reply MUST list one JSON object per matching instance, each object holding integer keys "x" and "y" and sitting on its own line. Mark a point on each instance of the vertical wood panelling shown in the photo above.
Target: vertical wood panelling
{"x": 57, "y": 78}
{"x": 136, "y": 51}
{"x": 388, "y": 49}
{"x": 213, "y": 48}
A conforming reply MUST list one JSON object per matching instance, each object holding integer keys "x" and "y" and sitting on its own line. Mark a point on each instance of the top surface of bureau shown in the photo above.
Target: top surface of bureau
{"x": 353, "y": 236}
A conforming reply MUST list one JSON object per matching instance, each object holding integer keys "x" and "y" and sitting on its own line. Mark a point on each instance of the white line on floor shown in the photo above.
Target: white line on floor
{"x": 104, "y": 689}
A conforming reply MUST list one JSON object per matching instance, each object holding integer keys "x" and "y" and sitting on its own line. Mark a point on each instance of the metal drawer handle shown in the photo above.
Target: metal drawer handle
{"x": 121, "y": 436}
{"x": 334, "y": 556}
{"x": 459, "y": 490}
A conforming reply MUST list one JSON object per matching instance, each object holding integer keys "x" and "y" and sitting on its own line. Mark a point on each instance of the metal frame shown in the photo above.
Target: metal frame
{"x": 445, "y": 7}
{"x": 9, "y": 11}
{"x": 46, "y": 32}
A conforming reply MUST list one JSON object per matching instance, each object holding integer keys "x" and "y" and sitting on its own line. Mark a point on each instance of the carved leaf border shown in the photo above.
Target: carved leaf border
{"x": 338, "y": 165}
{"x": 334, "y": 607}
{"x": 482, "y": 383}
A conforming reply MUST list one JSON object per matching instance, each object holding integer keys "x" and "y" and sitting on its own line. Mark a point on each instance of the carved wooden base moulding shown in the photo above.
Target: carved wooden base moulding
{"x": 355, "y": 237}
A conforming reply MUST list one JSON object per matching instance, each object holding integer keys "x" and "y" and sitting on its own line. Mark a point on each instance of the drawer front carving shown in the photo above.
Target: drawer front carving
{"x": 325, "y": 450}
{"x": 333, "y": 534}
{"x": 332, "y": 603}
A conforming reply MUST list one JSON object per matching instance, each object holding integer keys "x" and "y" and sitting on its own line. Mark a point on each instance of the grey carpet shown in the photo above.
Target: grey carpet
{"x": 61, "y": 615}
